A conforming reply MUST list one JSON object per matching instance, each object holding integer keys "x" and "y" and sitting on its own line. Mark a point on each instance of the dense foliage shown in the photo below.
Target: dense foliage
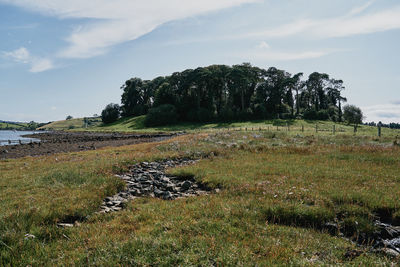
{"x": 161, "y": 115}
{"x": 392, "y": 125}
{"x": 352, "y": 114}
{"x": 239, "y": 92}
{"x": 110, "y": 113}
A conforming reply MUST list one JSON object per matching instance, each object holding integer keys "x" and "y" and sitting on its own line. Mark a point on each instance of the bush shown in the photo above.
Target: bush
{"x": 323, "y": 115}
{"x": 161, "y": 115}
{"x": 110, "y": 113}
{"x": 352, "y": 114}
{"x": 200, "y": 115}
{"x": 310, "y": 114}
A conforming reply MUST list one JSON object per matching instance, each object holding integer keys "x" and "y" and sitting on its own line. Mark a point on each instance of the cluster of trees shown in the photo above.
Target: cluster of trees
{"x": 229, "y": 93}
{"x": 391, "y": 125}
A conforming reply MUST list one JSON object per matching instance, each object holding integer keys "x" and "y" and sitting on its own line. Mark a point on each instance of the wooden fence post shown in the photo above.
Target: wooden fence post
{"x": 316, "y": 128}
{"x": 334, "y": 129}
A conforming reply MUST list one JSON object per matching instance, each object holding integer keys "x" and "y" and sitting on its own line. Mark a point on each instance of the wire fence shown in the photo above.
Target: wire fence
{"x": 315, "y": 129}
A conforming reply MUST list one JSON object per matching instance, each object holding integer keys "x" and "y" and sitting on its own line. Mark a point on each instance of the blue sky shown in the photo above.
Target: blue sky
{"x": 60, "y": 58}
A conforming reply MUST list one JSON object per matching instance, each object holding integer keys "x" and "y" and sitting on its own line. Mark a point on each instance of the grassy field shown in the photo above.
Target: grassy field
{"x": 291, "y": 127}
{"x": 71, "y": 124}
{"x": 278, "y": 189}
{"x": 13, "y": 126}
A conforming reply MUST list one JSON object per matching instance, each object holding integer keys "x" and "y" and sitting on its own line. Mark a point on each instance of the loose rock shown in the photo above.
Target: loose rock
{"x": 148, "y": 179}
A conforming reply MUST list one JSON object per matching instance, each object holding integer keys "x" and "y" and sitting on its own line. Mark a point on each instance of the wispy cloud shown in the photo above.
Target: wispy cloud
{"x": 348, "y": 25}
{"x": 120, "y": 20}
{"x": 263, "y": 45}
{"x": 385, "y": 113}
{"x": 359, "y": 9}
{"x": 22, "y": 55}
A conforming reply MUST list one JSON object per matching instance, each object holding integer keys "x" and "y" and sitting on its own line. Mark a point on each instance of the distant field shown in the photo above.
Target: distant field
{"x": 71, "y": 124}
{"x": 12, "y": 125}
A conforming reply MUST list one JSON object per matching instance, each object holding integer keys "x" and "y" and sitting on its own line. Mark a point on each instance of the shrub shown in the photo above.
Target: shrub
{"x": 323, "y": 115}
{"x": 352, "y": 114}
{"x": 200, "y": 115}
{"x": 310, "y": 114}
{"x": 161, "y": 115}
{"x": 110, "y": 113}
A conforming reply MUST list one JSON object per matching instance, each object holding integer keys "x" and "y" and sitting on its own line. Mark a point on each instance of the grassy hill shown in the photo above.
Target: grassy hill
{"x": 71, "y": 124}
{"x": 13, "y": 126}
{"x": 292, "y": 127}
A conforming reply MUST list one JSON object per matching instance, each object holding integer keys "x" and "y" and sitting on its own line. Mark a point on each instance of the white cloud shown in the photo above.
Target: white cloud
{"x": 362, "y": 8}
{"x": 120, "y": 20}
{"x": 263, "y": 45}
{"x": 386, "y": 113}
{"x": 348, "y": 25}
{"x": 22, "y": 55}
{"x": 41, "y": 64}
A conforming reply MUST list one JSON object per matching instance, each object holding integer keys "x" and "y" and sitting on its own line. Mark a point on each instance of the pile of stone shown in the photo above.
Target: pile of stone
{"x": 387, "y": 239}
{"x": 148, "y": 179}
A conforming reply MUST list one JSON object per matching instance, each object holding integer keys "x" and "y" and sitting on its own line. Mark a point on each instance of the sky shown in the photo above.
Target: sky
{"x": 60, "y": 58}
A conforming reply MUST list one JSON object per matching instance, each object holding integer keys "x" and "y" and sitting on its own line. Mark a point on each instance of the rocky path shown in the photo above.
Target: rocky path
{"x": 148, "y": 179}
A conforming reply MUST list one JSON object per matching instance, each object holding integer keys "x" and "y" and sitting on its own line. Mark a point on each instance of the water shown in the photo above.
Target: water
{"x": 15, "y": 137}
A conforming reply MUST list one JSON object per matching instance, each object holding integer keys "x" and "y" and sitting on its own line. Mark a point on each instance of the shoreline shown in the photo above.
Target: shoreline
{"x": 63, "y": 142}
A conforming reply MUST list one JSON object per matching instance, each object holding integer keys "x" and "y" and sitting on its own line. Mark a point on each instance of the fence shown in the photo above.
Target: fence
{"x": 331, "y": 129}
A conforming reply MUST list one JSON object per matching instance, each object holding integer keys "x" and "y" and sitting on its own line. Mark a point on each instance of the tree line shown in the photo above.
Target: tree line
{"x": 391, "y": 125}
{"x": 231, "y": 93}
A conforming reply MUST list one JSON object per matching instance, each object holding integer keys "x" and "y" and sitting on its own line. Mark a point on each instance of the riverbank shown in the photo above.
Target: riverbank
{"x": 58, "y": 142}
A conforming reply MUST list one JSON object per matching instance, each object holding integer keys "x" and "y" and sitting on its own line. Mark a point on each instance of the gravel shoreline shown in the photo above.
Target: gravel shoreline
{"x": 59, "y": 142}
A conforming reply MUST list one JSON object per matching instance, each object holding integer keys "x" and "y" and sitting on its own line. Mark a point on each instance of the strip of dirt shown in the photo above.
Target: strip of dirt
{"x": 58, "y": 142}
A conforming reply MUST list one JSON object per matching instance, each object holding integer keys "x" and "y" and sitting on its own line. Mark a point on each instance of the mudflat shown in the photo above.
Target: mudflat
{"x": 58, "y": 142}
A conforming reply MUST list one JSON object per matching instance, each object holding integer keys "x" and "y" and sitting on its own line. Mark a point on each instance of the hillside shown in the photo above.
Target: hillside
{"x": 78, "y": 123}
{"x": 13, "y": 126}
{"x": 292, "y": 127}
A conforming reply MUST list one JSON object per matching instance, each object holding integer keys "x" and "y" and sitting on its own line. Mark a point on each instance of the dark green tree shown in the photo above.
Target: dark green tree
{"x": 110, "y": 113}
{"x": 352, "y": 114}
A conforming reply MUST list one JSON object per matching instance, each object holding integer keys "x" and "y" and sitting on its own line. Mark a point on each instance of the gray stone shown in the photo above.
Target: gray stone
{"x": 390, "y": 252}
{"x": 65, "y": 225}
{"x": 171, "y": 188}
{"x": 167, "y": 195}
{"x": 186, "y": 185}
{"x": 158, "y": 192}
{"x": 135, "y": 192}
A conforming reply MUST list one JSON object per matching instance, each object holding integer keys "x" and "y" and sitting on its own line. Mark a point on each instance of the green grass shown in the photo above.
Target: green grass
{"x": 72, "y": 124}
{"x": 18, "y": 126}
{"x": 291, "y": 127}
{"x": 278, "y": 189}
{"x": 320, "y": 128}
